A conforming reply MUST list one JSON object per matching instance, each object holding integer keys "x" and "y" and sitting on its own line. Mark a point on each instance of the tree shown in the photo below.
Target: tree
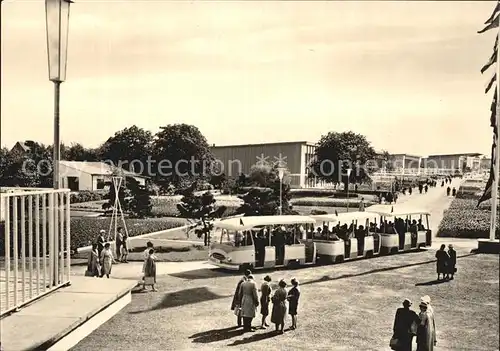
{"x": 77, "y": 152}
{"x": 203, "y": 209}
{"x": 123, "y": 194}
{"x": 140, "y": 203}
{"x": 181, "y": 154}
{"x": 338, "y": 152}
{"x": 129, "y": 148}
{"x": 386, "y": 161}
{"x": 264, "y": 198}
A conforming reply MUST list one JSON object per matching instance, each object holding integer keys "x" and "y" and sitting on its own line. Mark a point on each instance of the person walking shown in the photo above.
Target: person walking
{"x": 405, "y": 327}
{"x": 265, "y": 298}
{"x": 150, "y": 271}
{"x": 93, "y": 267}
{"x": 361, "y": 205}
{"x": 249, "y": 302}
{"x": 426, "y": 333}
{"x": 119, "y": 243}
{"x": 448, "y": 190}
{"x": 279, "y": 307}
{"x": 452, "y": 254}
{"x": 145, "y": 255}
{"x": 293, "y": 302}
{"x": 107, "y": 260}
{"x": 442, "y": 262}
{"x": 454, "y": 192}
{"x": 236, "y": 303}
{"x": 124, "y": 252}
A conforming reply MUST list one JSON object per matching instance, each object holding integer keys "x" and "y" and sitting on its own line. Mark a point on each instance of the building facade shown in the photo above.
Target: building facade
{"x": 295, "y": 156}
{"x": 405, "y": 163}
{"x": 91, "y": 176}
{"x": 454, "y": 162}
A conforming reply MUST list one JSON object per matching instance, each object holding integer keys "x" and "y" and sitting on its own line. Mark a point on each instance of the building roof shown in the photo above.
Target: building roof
{"x": 266, "y": 144}
{"x": 23, "y": 145}
{"x": 406, "y": 155}
{"x": 473, "y": 154}
{"x": 97, "y": 168}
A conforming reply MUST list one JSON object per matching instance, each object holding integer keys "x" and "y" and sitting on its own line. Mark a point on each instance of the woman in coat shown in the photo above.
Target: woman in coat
{"x": 426, "y": 332}
{"x": 293, "y": 302}
{"x": 150, "y": 271}
{"x": 442, "y": 262}
{"x": 453, "y": 261}
{"x": 279, "y": 307}
{"x": 265, "y": 298}
{"x": 93, "y": 267}
{"x": 249, "y": 302}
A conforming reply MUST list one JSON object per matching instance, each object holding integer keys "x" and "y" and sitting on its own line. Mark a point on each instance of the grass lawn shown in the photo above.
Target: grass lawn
{"x": 349, "y": 306}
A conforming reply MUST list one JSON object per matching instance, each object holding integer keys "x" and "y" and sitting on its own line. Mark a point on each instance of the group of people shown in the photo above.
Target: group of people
{"x": 246, "y": 301}
{"x": 446, "y": 262}
{"x": 407, "y": 324}
{"x": 101, "y": 257}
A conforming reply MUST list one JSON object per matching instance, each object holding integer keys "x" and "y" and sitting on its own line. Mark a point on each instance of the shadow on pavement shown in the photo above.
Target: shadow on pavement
{"x": 184, "y": 297}
{"x": 432, "y": 282}
{"x": 254, "y": 338}
{"x": 378, "y": 270}
{"x": 216, "y": 335}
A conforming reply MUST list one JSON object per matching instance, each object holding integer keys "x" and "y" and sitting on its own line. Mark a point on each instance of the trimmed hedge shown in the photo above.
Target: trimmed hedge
{"x": 86, "y": 196}
{"x": 167, "y": 206}
{"x": 464, "y": 220}
{"x": 328, "y": 202}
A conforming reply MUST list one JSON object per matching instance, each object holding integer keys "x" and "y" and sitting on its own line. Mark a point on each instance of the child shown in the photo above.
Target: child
{"x": 124, "y": 252}
{"x": 149, "y": 246}
{"x": 107, "y": 260}
{"x": 150, "y": 271}
{"x": 293, "y": 302}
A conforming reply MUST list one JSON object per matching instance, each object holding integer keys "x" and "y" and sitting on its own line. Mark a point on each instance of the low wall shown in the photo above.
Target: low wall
{"x": 141, "y": 240}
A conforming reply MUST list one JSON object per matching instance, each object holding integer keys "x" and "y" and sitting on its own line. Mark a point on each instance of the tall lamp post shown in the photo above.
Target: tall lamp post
{"x": 281, "y": 174}
{"x": 348, "y": 178}
{"x": 57, "y": 21}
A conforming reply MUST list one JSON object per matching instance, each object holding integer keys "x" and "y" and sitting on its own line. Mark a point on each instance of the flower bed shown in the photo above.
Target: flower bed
{"x": 84, "y": 230}
{"x": 464, "y": 220}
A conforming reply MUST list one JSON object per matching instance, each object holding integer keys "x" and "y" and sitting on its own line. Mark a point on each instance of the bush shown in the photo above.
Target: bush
{"x": 464, "y": 220}
{"x": 296, "y": 193}
{"x": 328, "y": 202}
{"x": 342, "y": 195}
{"x": 166, "y": 206}
{"x": 315, "y": 212}
{"x": 86, "y": 196}
{"x": 84, "y": 230}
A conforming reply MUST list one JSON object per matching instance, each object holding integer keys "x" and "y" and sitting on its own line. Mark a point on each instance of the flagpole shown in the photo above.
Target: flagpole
{"x": 496, "y": 160}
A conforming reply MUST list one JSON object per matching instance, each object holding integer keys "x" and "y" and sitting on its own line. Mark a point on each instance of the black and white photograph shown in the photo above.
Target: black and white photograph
{"x": 249, "y": 175}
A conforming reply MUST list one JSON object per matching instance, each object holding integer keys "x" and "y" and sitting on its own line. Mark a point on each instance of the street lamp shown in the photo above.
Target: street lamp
{"x": 281, "y": 174}
{"x": 57, "y": 21}
{"x": 348, "y": 178}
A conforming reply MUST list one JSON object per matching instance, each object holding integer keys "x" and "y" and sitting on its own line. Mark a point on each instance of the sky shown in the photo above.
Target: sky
{"x": 404, "y": 74}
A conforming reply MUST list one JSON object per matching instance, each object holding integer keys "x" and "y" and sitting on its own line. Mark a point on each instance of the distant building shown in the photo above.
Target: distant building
{"x": 79, "y": 176}
{"x": 296, "y": 156}
{"x": 454, "y": 162}
{"x": 21, "y": 147}
{"x": 406, "y": 163}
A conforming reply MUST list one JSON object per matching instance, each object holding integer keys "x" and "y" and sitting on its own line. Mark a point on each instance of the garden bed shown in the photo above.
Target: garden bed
{"x": 464, "y": 220}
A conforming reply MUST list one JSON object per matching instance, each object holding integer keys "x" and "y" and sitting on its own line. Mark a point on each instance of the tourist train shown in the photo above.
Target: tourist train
{"x": 263, "y": 242}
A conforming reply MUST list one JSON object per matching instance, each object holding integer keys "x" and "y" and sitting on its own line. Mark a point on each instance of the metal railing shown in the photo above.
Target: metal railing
{"x": 35, "y": 252}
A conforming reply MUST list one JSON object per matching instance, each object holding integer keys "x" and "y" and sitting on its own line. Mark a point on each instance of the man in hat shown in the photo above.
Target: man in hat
{"x": 405, "y": 326}
{"x": 236, "y": 303}
{"x": 249, "y": 302}
{"x": 100, "y": 242}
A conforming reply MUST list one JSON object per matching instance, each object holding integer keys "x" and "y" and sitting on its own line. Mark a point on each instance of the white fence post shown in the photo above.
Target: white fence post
{"x": 21, "y": 208}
